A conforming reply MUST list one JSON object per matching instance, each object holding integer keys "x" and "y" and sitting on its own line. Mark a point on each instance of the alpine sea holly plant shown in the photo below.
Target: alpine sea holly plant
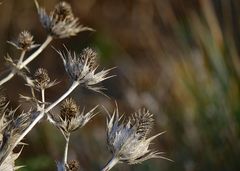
{"x": 127, "y": 139}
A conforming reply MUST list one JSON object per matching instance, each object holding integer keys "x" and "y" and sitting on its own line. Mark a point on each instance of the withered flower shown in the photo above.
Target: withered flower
{"x": 42, "y": 80}
{"x": 82, "y": 68}
{"x": 70, "y": 117}
{"x": 11, "y": 130}
{"x": 61, "y": 22}
{"x": 128, "y": 141}
{"x": 73, "y": 165}
{"x": 24, "y": 42}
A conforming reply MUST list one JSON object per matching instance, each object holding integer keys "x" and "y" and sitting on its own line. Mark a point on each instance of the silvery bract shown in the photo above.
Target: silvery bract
{"x": 128, "y": 141}
{"x": 61, "y": 23}
{"x": 82, "y": 68}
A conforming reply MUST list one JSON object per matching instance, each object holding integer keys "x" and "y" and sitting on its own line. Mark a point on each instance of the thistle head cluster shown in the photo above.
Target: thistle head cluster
{"x": 42, "y": 80}
{"x": 70, "y": 117}
{"x": 73, "y": 165}
{"x": 69, "y": 109}
{"x": 128, "y": 141}
{"x": 61, "y": 23}
{"x": 82, "y": 68}
{"x": 10, "y": 129}
{"x": 24, "y": 41}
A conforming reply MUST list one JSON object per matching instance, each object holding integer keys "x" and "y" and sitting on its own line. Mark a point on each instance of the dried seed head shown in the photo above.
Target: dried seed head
{"x": 128, "y": 141}
{"x": 89, "y": 55}
{"x": 24, "y": 42}
{"x": 41, "y": 80}
{"x": 69, "y": 109}
{"x": 70, "y": 117}
{"x": 82, "y": 68}
{"x": 143, "y": 121}
{"x": 12, "y": 131}
{"x": 62, "y": 12}
{"x": 61, "y": 22}
{"x": 73, "y": 165}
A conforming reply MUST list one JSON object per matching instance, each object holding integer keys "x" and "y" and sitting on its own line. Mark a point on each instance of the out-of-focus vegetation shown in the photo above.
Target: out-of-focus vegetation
{"x": 178, "y": 58}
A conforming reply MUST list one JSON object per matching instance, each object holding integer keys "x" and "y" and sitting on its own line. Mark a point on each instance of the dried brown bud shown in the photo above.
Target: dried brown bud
{"x": 82, "y": 68}
{"x": 69, "y": 109}
{"x": 25, "y": 40}
{"x": 73, "y": 165}
{"x": 42, "y": 79}
{"x": 89, "y": 55}
{"x": 62, "y": 12}
{"x": 61, "y": 23}
{"x": 70, "y": 117}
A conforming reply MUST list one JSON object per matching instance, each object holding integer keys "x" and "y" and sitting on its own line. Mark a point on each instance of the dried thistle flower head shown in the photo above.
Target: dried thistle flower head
{"x": 70, "y": 118}
{"x": 61, "y": 22}
{"x": 62, "y": 11}
{"x": 82, "y": 68}
{"x": 73, "y": 165}
{"x": 69, "y": 109}
{"x": 128, "y": 142}
{"x": 42, "y": 80}
{"x": 12, "y": 131}
{"x": 24, "y": 42}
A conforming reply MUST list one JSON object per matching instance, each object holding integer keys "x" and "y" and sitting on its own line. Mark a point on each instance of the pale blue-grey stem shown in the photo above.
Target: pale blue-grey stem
{"x": 37, "y": 119}
{"x": 23, "y": 64}
{"x": 110, "y": 164}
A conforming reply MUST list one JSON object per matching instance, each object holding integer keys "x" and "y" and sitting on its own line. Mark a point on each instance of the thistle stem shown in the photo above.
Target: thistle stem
{"x": 110, "y": 164}
{"x": 21, "y": 64}
{"x": 66, "y": 149}
{"x": 43, "y": 99}
{"x": 36, "y": 53}
{"x": 7, "y": 78}
{"x": 37, "y": 119}
{"x": 21, "y": 57}
{"x": 12, "y": 73}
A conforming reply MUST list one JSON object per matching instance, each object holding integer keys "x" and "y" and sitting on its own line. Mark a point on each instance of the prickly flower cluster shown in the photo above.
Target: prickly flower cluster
{"x": 42, "y": 80}
{"x": 73, "y": 165}
{"x": 128, "y": 142}
{"x": 24, "y": 42}
{"x": 11, "y": 127}
{"x": 82, "y": 68}
{"x": 70, "y": 117}
{"x": 61, "y": 22}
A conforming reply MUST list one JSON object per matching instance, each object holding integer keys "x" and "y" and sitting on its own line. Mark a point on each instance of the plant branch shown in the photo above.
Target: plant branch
{"x": 67, "y": 137}
{"x": 21, "y": 64}
{"x": 38, "y": 118}
{"x": 36, "y": 53}
{"x": 110, "y": 164}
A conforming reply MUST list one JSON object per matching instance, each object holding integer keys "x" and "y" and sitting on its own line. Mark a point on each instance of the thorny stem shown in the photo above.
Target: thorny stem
{"x": 38, "y": 118}
{"x": 12, "y": 73}
{"x": 110, "y": 164}
{"x": 43, "y": 99}
{"x": 36, "y": 53}
{"x": 7, "y": 78}
{"x": 21, "y": 64}
{"x": 67, "y": 137}
{"x": 21, "y": 57}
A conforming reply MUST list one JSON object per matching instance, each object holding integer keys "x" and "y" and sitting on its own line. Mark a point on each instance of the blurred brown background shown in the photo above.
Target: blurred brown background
{"x": 178, "y": 58}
